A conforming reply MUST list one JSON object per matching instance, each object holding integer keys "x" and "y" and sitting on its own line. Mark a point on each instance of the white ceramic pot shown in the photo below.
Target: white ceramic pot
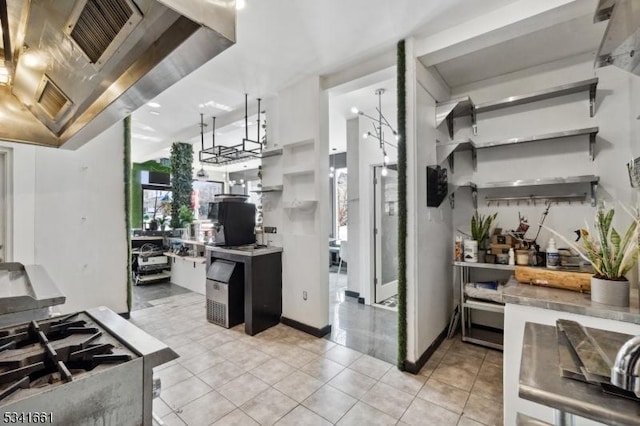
{"x": 609, "y": 292}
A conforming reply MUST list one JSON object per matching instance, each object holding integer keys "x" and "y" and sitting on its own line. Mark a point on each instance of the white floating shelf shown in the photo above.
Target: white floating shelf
{"x": 298, "y": 172}
{"x": 308, "y": 206}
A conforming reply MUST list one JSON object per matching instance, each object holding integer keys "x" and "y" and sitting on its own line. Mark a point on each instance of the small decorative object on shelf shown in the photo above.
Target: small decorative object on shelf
{"x": 480, "y": 226}
{"x": 611, "y": 254}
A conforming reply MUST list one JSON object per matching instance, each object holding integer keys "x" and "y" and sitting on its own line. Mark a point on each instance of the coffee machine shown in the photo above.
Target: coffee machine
{"x": 234, "y": 220}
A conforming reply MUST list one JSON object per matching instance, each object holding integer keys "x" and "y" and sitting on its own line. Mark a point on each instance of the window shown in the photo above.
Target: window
{"x": 340, "y": 203}
{"x": 156, "y": 203}
{"x": 203, "y": 193}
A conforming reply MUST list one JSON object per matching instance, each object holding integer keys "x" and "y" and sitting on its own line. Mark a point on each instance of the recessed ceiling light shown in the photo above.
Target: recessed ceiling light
{"x": 154, "y": 104}
{"x": 240, "y": 4}
{"x": 154, "y": 112}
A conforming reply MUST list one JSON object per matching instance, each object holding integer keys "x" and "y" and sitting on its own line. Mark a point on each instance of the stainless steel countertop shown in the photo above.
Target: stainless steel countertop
{"x": 26, "y": 287}
{"x": 245, "y": 251}
{"x": 541, "y": 382}
{"x": 570, "y": 301}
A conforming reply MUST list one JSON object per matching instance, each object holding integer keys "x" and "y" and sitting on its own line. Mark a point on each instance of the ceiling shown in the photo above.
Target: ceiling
{"x": 570, "y": 38}
{"x": 282, "y": 41}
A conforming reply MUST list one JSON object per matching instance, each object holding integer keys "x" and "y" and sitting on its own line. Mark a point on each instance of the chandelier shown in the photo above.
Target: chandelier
{"x": 220, "y": 154}
{"x": 379, "y": 124}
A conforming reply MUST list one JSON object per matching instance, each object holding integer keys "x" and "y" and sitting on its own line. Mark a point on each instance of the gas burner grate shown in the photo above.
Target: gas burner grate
{"x": 47, "y": 361}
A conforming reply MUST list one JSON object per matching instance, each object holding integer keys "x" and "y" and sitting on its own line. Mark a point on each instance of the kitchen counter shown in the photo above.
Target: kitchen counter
{"x": 245, "y": 250}
{"x": 571, "y": 302}
{"x": 541, "y": 382}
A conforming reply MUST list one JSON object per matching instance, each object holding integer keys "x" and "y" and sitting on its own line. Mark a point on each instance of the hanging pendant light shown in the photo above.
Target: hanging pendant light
{"x": 202, "y": 174}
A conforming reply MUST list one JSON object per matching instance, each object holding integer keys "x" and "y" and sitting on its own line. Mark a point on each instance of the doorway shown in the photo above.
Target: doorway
{"x": 386, "y": 236}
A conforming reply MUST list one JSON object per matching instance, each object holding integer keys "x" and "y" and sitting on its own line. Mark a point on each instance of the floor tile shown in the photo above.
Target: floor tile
{"x": 298, "y": 386}
{"x": 206, "y": 409}
{"x": 301, "y": 416}
{"x": 444, "y": 395}
{"x": 370, "y": 366}
{"x": 405, "y": 382}
{"x": 220, "y": 374}
{"x": 429, "y": 367}
{"x": 216, "y": 340}
{"x": 243, "y": 388}
{"x": 363, "y": 414}
{"x": 388, "y": 399}
{"x": 201, "y": 362}
{"x": 422, "y": 412}
{"x": 160, "y": 409}
{"x": 483, "y": 410}
{"x": 330, "y": 403}
{"x": 250, "y": 359}
{"x": 232, "y": 349}
{"x": 297, "y": 357}
{"x": 494, "y": 357}
{"x": 317, "y": 346}
{"x": 272, "y": 371}
{"x": 236, "y": 418}
{"x": 172, "y": 420}
{"x": 488, "y": 384}
{"x": 468, "y": 349}
{"x": 457, "y": 371}
{"x": 342, "y": 355}
{"x": 466, "y": 421}
{"x": 177, "y": 396}
{"x": 189, "y": 350}
{"x": 173, "y": 375}
{"x": 323, "y": 369}
{"x": 269, "y": 406}
{"x": 352, "y": 383}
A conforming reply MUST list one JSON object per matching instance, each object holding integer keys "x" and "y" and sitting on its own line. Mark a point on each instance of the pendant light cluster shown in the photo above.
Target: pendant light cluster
{"x": 378, "y": 130}
{"x": 246, "y": 150}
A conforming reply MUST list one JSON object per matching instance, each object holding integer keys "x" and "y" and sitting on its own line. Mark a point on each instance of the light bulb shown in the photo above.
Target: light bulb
{"x": 386, "y": 159}
{"x": 397, "y": 137}
{"x": 243, "y": 185}
{"x": 331, "y": 174}
{"x": 354, "y": 110}
{"x": 332, "y": 168}
{"x": 365, "y": 135}
{"x": 242, "y": 181}
{"x": 384, "y": 171}
{"x": 233, "y": 182}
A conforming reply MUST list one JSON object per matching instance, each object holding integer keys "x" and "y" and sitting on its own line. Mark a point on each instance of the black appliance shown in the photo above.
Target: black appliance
{"x": 234, "y": 221}
{"x": 225, "y": 293}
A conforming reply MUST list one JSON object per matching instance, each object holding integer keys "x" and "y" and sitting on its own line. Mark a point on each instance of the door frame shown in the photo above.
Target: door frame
{"x": 376, "y": 237}
{"x": 6, "y": 157}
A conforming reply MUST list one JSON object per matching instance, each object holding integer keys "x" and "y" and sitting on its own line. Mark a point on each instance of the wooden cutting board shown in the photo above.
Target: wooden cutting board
{"x": 568, "y": 280}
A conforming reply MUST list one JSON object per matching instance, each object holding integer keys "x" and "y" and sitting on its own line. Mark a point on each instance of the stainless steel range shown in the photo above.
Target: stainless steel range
{"x": 88, "y": 368}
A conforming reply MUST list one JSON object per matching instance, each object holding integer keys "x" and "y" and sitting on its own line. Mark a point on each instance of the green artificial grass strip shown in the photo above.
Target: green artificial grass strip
{"x": 127, "y": 202}
{"x": 402, "y": 207}
{"x": 182, "y": 179}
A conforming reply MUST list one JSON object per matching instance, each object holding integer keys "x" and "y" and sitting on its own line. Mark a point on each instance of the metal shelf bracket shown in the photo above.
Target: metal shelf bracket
{"x": 474, "y": 158}
{"x": 592, "y": 100}
{"x": 594, "y": 190}
{"x": 592, "y": 145}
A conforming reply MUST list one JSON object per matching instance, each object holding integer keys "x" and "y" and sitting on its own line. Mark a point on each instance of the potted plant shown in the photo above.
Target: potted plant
{"x": 162, "y": 221}
{"x": 185, "y": 216}
{"x": 480, "y": 226}
{"x": 612, "y": 256}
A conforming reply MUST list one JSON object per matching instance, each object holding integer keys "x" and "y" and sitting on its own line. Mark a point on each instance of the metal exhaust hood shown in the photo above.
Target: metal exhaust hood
{"x": 621, "y": 42}
{"x": 77, "y": 67}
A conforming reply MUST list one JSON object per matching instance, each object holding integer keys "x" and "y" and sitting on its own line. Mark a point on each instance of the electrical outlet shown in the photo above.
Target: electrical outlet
{"x": 270, "y": 230}
{"x": 304, "y": 295}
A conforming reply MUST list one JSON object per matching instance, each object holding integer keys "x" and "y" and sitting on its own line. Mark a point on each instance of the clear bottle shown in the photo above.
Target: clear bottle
{"x": 512, "y": 257}
{"x": 553, "y": 256}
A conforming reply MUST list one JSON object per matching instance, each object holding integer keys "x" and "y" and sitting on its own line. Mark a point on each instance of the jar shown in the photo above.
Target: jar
{"x": 522, "y": 257}
{"x": 471, "y": 251}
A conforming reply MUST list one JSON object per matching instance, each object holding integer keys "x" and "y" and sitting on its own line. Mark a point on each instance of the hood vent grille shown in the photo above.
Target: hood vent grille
{"x": 52, "y": 100}
{"x": 98, "y": 24}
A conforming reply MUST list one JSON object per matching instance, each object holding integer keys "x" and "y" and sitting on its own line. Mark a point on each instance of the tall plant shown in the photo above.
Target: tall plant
{"x": 480, "y": 226}
{"x": 181, "y": 180}
{"x": 610, "y": 254}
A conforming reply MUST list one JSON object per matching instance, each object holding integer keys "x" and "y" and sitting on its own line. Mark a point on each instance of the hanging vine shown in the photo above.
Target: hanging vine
{"x": 402, "y": 208}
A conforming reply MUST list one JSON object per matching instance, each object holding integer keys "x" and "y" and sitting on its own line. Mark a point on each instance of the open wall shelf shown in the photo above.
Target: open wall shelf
{"x": 271, "y": 153}
{"x": 446, "y": 150}
{"x": 589, "y": 85}
{"x": 273, "y": 188}
{"x": 459, "y": 107}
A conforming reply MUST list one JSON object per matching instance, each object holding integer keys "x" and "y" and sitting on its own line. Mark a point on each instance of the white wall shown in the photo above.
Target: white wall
{"x": 429, "y": 247}
{"x": 80, "y": 236}
{"x": 302, "y": 114}
{"x": 555, "y": 158}
{"x": 23, "y": 194}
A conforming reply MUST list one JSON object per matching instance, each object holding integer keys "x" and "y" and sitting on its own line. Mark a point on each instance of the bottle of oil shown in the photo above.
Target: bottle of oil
{"x": 553, "y": 256}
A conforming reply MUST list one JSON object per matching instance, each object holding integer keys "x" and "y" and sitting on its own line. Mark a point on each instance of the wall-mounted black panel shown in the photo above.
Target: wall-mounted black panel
{"x": 436, "y": 186}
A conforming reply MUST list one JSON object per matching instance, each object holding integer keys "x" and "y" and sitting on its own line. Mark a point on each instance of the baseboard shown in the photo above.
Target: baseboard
{"x": 317, "y": 332}
{"x": 361, "y": 300}
{"x": 125, "y": 315}
{"x": 350, "y": 293}
{"x": 415, "y": 367}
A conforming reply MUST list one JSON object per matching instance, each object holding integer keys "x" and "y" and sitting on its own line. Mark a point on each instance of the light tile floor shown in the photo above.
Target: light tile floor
{"x": 285, "y": 377}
